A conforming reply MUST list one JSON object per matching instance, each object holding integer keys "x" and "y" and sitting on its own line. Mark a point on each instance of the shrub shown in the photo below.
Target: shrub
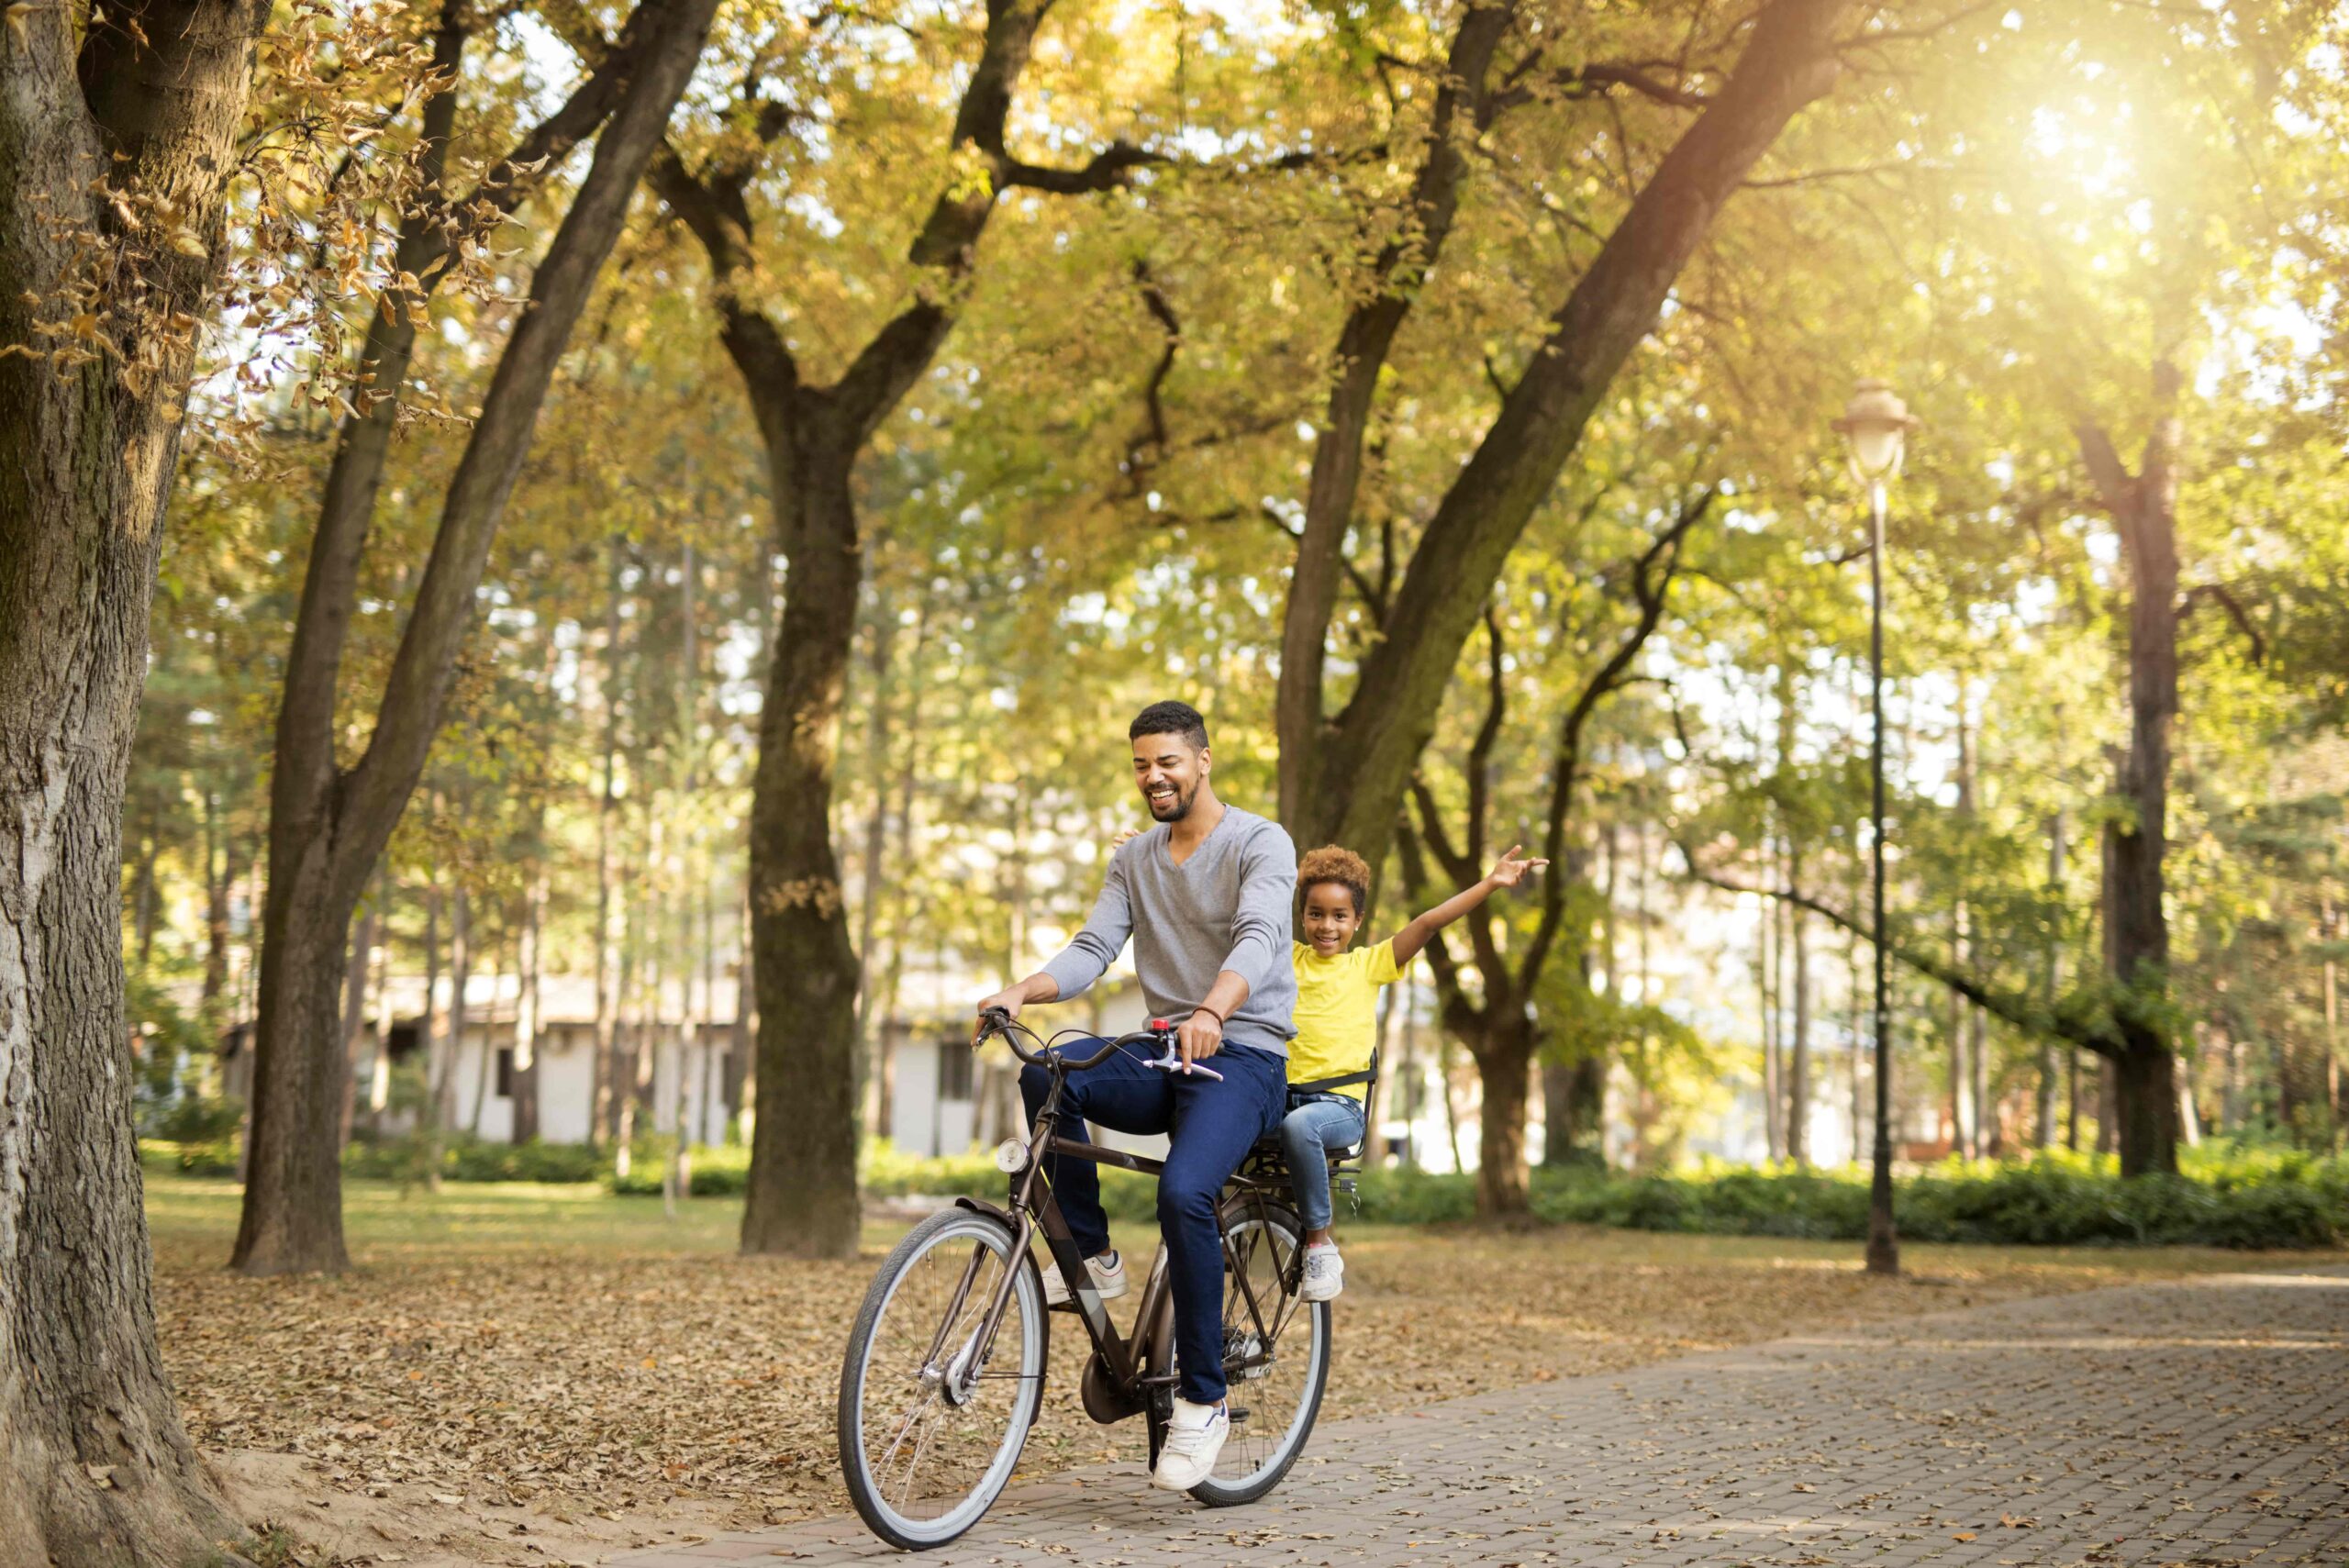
{"x": 466, "y": 1159}
{"x": 2053, "y": 1200}
{"x": 200, "y": 1118}
{"x": 715, "y": 1171}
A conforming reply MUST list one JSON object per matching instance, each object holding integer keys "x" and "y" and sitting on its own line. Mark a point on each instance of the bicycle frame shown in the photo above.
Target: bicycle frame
{"x": 1033, "y": 1208}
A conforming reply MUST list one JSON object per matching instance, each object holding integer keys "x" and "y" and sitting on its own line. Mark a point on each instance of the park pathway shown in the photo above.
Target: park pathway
{"x": 2202, "y": 1423}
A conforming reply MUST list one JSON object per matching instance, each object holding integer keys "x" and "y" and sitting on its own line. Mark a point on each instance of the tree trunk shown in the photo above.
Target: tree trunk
{"x": 2107, "y": 1104}
{"x": 1408, "y": 1071}
{"x": 355, "y": 1009}
{"x": 1573, "y": 1097}
{"x": 742, "y": 1044}
{"x": 379, "y": 1082}
{"x": 1987, "y": 1134}
{"x": 220, "y": 876}
{"x": 1451, "y": 1110}
{"x": 1504, "y": 1066}
{"x": 1772, "y": 1144}
{"x": 2329, "y": 925}
{"x": 485, "y": 1075}
{"x": 2136, "y": 927}
{"x": 1799, "y": 1049}
{"x": 143, "y": 903}
{"x": 803, "y": 1196}
{"x": 94, "y": 1466}
{"x": 607, "y": 938}
{"x": 328, "y": 824}
{"x": 526, "y": 1014}
{"x": 1461, "y": 110}
{"x": 2044, "y": 1112}
{"x": 440, "y": 1106}
{"x": 428, "y": 1046}
{"x": 877, "y": 839}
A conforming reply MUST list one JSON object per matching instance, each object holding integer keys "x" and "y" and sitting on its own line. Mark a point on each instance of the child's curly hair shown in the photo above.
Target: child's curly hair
{"x": 1342, "y": 866}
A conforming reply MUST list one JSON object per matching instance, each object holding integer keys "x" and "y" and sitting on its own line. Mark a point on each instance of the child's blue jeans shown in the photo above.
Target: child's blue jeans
{"x": 1308, "y": 1132}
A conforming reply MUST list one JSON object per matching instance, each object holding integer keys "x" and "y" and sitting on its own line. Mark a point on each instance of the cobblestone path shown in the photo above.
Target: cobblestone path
{"x": 2202, "y": 1423}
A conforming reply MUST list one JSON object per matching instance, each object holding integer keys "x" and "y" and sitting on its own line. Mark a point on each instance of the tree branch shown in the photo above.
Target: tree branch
{"x": 1651, "y": 596}
{"x": 1363, "y": 344}
{"x": 2114, "y": 484}
{"x": 1110, "y": 169}
{"x": 2032, "y": 1016}
{"x": 1146, "y": 449}
{"x": 1786, "y": 64}
{"x": 2223, "y": 596}
{"x": 1592, "y": 81}
{"x": 1455, "y": 864}
{"x": 1480, "y": 750}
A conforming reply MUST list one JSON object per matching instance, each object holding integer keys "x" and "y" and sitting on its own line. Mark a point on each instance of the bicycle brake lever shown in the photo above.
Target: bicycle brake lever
{"x": 1170, "y": 1063}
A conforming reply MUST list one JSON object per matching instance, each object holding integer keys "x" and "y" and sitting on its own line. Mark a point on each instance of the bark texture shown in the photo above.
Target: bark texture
{"x": 328, "y": 824}
{"x": 2136, "y": 927}
{"x": 95, "y": 1467}
{"x": 803, "y": 1195}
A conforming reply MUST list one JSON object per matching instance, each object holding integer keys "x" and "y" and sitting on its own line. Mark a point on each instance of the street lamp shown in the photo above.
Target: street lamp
{"x": 1876, "y": 425}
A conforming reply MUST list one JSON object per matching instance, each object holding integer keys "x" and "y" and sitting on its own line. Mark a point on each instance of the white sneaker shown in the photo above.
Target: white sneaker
{"x": 1108, "y": 1271}
{"x": 1325, "y": 1272}
{"x": 1194, "y": 1437}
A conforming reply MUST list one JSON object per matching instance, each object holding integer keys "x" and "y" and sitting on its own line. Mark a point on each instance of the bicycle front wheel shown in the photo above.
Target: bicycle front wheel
{"x": 936, "y": 1401}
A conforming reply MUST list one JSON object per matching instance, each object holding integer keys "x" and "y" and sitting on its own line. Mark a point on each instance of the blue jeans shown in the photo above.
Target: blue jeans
{"x": 1308, "y": 1133}
{"x": 1210, "y": 1127}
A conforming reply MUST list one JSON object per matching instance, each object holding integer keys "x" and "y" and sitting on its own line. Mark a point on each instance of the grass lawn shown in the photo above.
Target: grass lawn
{"x": 556, "y": 1365}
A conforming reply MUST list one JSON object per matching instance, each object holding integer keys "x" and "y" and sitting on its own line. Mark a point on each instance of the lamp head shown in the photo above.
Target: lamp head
{"x": 1876, "y": 425}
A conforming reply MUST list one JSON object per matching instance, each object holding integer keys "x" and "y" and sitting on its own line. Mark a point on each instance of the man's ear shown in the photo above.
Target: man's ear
{"x": 1206, "y": 760}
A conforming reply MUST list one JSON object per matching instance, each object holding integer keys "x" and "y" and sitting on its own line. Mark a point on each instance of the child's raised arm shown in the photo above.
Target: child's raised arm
{"x": 1508, "y": 871}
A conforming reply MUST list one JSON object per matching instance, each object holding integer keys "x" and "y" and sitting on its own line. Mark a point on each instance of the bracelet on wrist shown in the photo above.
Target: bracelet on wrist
{"x": 1210, "y": 1012}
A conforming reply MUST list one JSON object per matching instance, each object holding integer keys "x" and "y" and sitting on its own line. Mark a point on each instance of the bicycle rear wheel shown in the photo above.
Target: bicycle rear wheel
{"x": 1277, "y": 1355}
{"x": 933, "y": 1414}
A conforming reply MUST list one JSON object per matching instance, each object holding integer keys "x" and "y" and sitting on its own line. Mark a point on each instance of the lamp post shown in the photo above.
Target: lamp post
{"x": 1875, "y": 425}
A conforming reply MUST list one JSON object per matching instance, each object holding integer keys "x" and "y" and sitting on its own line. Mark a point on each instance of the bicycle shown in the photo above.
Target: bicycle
{"x": 931, "y": 1427}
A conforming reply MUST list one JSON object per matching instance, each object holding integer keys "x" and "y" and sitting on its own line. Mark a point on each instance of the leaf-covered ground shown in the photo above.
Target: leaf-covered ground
{"x": 545, "y": 1374}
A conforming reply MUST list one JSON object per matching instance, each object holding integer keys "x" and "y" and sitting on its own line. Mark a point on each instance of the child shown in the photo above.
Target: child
{"x": 1337, "y": 994}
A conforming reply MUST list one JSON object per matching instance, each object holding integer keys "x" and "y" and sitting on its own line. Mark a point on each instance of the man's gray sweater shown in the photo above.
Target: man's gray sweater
{"x": 1225, "y": 908}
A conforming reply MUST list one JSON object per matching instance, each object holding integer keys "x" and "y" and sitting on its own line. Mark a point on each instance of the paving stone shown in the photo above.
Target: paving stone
{"x": 2204, "y": 1423}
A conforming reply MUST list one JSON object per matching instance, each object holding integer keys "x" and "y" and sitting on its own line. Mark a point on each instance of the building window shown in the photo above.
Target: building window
{"x": 954, "y": 1068}
{"x": 505, "y": 1073}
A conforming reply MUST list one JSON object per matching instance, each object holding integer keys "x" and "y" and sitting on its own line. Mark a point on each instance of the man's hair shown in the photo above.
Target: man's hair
{"x": 1171, "y": 719}
{"x": 1330, "y": 863}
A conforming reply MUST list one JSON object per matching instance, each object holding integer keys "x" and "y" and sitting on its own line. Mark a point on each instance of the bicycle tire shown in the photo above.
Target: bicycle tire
{"x": 1226, "y": 1491}
{"x": 861, "y": 1416}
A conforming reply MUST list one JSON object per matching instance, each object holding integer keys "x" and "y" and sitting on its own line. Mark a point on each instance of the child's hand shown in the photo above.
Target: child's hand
{"x": 1510, "y": 869}
{"x": 1125, "y": 836}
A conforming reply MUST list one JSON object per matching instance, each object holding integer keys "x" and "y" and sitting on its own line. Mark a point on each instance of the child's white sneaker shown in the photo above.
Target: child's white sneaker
{"x": 1194, "y": 1437}
{"x": 1325, "y": 1272}
{"x": 1108, "y": 1271}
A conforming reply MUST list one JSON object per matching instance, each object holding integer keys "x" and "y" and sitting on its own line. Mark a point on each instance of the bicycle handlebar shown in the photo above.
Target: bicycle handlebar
{"x": 996, "y": 1021}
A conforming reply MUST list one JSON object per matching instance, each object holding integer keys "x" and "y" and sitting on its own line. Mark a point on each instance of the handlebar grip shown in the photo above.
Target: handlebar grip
{"x": 997, "y": 1021}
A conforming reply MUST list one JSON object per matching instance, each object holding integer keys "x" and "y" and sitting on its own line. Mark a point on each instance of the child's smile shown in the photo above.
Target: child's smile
{"x": 1330, "y": 918}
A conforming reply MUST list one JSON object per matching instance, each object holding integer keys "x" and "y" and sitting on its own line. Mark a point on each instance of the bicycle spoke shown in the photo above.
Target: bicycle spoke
{"x": 934, "y": 1434}
{"x": 1273, "y": 1357}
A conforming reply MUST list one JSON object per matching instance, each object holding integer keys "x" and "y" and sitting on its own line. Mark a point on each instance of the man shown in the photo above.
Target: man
{"x": 1206, "y": 896}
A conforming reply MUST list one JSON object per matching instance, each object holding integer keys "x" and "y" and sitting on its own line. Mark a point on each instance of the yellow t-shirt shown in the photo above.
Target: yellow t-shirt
{"x": 1337, "y": 1012}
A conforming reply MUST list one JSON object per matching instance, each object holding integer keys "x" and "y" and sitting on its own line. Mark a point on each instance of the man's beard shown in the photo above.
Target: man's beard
{"x": 1173, "y": 810}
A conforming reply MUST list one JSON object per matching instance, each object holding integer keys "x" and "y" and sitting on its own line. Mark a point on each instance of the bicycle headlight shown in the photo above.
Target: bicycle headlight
{"x": 1011, "y": 1156}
